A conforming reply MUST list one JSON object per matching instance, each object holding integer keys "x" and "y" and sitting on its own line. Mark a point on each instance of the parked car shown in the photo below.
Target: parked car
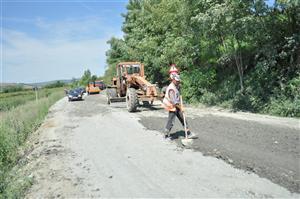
{"x": 74, "y": 95}
{"x": 82, "y": 90}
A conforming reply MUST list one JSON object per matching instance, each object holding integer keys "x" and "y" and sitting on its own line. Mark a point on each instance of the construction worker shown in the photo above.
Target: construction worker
{"x": 173, "y": 70}
{"x": 171, "y": 103}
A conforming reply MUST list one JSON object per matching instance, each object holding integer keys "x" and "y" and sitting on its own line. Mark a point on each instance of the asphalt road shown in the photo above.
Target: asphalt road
{"x": 270, "y": 150}
{"x": 89, "y": 149}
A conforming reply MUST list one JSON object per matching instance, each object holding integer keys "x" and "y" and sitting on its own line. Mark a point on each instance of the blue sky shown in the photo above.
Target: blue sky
{"x": 49, "y": 40}
{"x": 43, "y": 40}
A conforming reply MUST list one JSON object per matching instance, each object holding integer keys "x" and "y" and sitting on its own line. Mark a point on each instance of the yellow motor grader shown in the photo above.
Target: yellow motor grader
{"x": 130, "y": 86}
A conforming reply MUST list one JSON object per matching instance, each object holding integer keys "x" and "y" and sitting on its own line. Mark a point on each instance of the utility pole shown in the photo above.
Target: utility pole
{"x": 36, "y": 93}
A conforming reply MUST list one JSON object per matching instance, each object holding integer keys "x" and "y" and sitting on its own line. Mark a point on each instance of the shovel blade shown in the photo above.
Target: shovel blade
{"x": 186, "y": 142}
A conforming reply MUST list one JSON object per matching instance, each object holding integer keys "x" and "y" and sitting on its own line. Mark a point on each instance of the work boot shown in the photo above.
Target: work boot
{"x": 191, "y": 135}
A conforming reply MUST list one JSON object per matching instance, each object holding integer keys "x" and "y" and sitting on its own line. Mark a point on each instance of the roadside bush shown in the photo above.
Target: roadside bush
{"x": 242, "y": 102}
{"x": 292, "y": 88}
{"x": 14, "y": 101}
{"x": 227, "y": 88}
{"x": 10, "y": 89}
{"x": 285, "y": 100}
{"x": 208, "y": 98}
{"x": 9, "y": 101}
{"x": 283, "y": 107}
{"x": 226, "y": 104}
{"x": 197, "y": 82}
{"x": 15, "y": 126}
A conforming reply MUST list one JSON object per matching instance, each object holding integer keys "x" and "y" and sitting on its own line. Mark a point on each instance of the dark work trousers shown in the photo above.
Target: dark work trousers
{"x": 171, "y": 119}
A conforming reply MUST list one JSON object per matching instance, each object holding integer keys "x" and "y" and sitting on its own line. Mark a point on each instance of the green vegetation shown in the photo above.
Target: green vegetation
{"x": 56, "y": 84}
{"x": 13, "y": 88}
{"x": 238, "y": 54}
{"x": 14, "y": 99}
{"x": 15, "y": 126}
{"x": 85, "y": 79}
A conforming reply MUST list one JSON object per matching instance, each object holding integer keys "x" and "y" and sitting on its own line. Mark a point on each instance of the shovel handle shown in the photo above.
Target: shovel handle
{"x": 184, "y": 121}
{"x": 181, "y": 104}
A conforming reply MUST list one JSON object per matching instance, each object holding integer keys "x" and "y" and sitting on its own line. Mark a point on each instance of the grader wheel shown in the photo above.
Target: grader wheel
{"x": 131, "y": 100}
{"x": 111, "y": 93}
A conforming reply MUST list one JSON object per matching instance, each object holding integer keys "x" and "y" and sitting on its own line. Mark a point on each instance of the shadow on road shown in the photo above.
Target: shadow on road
{"x": 177, "y": 135}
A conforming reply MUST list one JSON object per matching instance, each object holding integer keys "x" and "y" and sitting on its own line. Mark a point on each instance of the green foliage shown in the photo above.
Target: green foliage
{"x": 15, "y": 126}
{"x": 242, "y": 101}
{"x": 292, "y": 88}
{"x": 94, "y": 78}
{"x": 10, "y": 89}
{"x": 56, "y": 84}
{"x": 86, "y": 77}
{"x": 285, "y": 100}
{"x": 208, "y": 98}
{"x": 12, "y": 100}
{"x": 253, "y": 49}
{"x": 74, "y": 83}
{"x": 283, "y": 107}
{"x": 17, "y": 185}
{"x": 198, "y": 83}
{"x": 118, "y": 52}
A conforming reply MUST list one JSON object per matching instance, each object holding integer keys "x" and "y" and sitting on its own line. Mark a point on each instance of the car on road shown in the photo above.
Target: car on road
{"x": 81, "y": 89}
{"x": 75, "y": 95}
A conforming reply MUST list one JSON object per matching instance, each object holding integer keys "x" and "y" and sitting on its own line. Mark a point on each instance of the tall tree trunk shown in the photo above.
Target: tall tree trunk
{"x": 239, "y": 64}
{"x": 240, "y": 68}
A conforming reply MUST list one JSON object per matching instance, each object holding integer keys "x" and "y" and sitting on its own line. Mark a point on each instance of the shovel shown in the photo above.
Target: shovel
{"x": 186, "y": 141}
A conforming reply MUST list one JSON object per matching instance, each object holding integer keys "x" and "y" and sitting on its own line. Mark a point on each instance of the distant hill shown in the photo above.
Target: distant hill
{"x": 39, "y": 84}
{"x": 26, "y": 86}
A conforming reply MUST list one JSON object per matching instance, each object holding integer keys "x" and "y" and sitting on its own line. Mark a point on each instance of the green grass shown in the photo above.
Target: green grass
{"x": 11, "y": 100}
{"x": 15, "y": 126}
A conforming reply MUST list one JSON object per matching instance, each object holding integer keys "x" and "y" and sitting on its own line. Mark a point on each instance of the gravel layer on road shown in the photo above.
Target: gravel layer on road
{"x": 87, "y": 149}
{"x": 270, "y": 151}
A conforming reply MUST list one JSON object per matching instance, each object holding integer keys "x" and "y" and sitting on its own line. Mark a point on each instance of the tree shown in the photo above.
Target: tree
{"x": 239, "y": 51}
{"x": 86, "y": 77}
{"x": 93, "y": 78}
{"x": 55, "y": 84}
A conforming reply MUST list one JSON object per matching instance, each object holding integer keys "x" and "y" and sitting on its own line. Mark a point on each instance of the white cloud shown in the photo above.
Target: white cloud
{"x": 64, "y": 50}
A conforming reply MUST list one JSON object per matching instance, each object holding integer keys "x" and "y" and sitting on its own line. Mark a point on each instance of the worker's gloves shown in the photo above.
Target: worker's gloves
{"x": 179, "y": 107}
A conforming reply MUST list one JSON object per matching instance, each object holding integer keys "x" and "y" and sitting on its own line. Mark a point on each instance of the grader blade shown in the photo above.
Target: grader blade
{"x": 117, "y": 99}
